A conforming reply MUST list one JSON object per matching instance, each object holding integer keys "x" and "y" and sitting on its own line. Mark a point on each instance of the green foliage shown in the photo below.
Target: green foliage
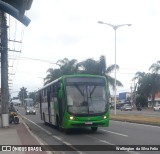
{"x": 148, "y": 84}
{"x": 32, "y": 95}
{"x": 155, "y": 67}
{"x": 88, "y": 66}
{"x": 22, "y": 93}
{"x": 141, "y": 100}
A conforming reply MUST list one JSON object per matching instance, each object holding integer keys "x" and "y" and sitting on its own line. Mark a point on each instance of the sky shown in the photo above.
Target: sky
{"x": 69, "y": 29}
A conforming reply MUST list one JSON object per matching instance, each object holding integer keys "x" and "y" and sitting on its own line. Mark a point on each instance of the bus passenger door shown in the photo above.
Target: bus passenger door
{"x": 60, "y": 108}
{"x": 40, "y": 103}
{"x": 49, "y": 105}
{"x": 61, "y": 105}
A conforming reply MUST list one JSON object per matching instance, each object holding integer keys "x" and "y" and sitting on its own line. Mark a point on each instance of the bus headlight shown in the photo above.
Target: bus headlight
{"x": 104, "y": 117}
{"x": 71, "y": 117}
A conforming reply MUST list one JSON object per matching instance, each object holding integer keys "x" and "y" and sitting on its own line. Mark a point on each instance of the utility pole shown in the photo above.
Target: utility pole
{"x": 4, "y": 69}
{"x": 15, "y": 8}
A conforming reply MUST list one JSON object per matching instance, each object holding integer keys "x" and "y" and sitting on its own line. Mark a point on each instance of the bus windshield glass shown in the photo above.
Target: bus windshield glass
{"x": 86, "y": 98}
{"x": 28, "y": 102}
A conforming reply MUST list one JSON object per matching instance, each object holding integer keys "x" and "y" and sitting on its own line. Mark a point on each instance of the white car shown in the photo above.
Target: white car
{"x": 156, "y": 108}
{"x": 126, "y": 107}
{"x": 30, "y": 110}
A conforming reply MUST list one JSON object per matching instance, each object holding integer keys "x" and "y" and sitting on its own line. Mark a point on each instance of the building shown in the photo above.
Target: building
{"x": 125, "y": 97}
{"x": 156, "y": 100}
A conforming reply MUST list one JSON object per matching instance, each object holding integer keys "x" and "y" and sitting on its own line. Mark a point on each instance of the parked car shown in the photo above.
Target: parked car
{"x": 156, "y": 108}
{"x": 126, "y": 107}
{"x": 30, "y": 110}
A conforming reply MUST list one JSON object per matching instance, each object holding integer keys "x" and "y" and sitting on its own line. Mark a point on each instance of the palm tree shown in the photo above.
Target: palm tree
{"x": 155, "y": 67}
{"x": 149, "y": 85}
{"x": 52, "y": 75}
{"x": 110, "y": 79}
{"x": 22, "y": 94}
{"x": 68, "y": 66}
{"x": 102, "y": 65}
{"x": 138, "y": 76}
{"x": 91, "y": 66}
{"x": 88, "y": 66}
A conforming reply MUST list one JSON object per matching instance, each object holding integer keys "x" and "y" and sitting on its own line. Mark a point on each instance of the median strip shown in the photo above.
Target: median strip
{"x": 136, "y": 119}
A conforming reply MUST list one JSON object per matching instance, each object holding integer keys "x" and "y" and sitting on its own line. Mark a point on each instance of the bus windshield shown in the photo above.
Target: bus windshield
{"x": 28, "y": 102}
{"x": 86, "y": 98}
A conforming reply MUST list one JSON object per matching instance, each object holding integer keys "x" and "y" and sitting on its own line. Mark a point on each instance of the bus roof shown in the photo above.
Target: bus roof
{"x": 72, "y": 75}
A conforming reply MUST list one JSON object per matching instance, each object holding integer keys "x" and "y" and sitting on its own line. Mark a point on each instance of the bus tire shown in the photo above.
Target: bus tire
{"x": 94, "y": 129}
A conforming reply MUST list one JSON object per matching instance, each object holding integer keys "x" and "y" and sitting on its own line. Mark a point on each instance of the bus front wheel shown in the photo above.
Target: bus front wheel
{"x": 94, "y": 129}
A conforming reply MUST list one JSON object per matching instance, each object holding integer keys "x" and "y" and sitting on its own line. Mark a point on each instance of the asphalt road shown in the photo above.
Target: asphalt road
{"x": 118, "y": 133}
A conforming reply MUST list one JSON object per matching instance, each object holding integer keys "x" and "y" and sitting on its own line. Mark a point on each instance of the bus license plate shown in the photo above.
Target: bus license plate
{"x": 88, "y": 123}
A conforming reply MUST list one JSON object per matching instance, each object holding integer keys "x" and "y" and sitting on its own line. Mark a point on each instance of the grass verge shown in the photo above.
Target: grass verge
{"x": 136, "y": 119}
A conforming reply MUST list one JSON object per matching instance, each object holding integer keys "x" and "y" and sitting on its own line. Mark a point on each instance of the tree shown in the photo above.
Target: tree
{"x": 102, "y": 65}
{"x": 141, "y": 100}
{"x": 68, "y": 66}
{"x": 22, "y": 94}
{"x": 88, "y": 66}
{"x": 149, "y": 85}
{"x": 110, "y": 79}
{"x": 91, "y": 66}
{"x": 138, "y": 76}
{"x": 155, "y": 67}
{"x": 52, "y": 75}
{"x": 32, "y": 95}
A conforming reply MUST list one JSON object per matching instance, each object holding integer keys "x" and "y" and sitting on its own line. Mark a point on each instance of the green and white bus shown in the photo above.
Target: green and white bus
{"x": 75, "y": 101}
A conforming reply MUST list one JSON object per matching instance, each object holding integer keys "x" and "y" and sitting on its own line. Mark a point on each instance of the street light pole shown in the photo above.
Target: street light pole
{"x": 115, "y": 27}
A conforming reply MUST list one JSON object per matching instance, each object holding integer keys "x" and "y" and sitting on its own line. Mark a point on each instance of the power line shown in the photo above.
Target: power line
{"x": 35, "y": 59}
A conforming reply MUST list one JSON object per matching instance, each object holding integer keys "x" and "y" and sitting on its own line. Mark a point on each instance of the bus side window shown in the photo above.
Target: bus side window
{"x": 54, "y": 91}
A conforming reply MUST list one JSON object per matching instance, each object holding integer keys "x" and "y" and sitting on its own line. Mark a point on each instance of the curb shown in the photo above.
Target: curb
{"x": 35, "y": 136}
{"x": 137, "y": 122}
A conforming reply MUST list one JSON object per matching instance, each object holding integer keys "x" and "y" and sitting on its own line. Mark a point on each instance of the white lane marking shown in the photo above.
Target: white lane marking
{"x": 114, "y": 133}
{"x": 95, "y": 138}
{"x": 54, "y": 136}
{"x": 67, "y": 143}
{"x": 104, "y": 141}
{"x": 49, "y": 133}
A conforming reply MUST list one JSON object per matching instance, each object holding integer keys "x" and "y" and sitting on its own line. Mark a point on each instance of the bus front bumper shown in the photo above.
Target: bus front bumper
{"x": 80, "y": 124}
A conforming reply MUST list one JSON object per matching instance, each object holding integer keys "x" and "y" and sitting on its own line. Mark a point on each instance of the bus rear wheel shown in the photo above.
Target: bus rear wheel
{"x": 94, "y": 129}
